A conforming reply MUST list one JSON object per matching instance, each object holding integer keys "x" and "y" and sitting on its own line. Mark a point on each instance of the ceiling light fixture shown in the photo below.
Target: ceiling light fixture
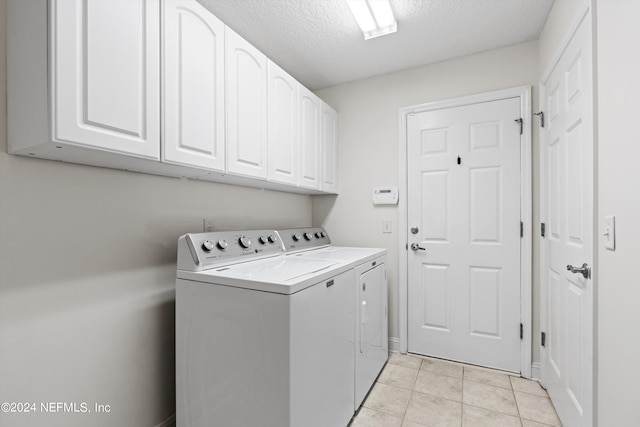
{"x": 375, "y": 17}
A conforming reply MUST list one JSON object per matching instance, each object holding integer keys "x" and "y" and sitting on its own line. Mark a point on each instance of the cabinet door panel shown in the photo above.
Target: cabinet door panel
{"x": 246, "y": 108}
{"x": 309, "y": 139}
{"x": 282, "y": 126}
{"x": 106, "y": 79}
{"x": 329, "y": 149}
{"x": 193, "y": 86}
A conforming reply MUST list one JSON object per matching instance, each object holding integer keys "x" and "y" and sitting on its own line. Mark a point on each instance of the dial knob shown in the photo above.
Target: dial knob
{"x": 297, "y": 237}
{"x": 207, "y": 246}
{"x": 244, "y": 241}
{"x": 308, "y": 236}
{"x": 322, "y": 234}
{"x": 262, "y": 240}
{"x": 271, "y": 238}
{"x": 318, "y": 235}
{"x": 222, "y": 245}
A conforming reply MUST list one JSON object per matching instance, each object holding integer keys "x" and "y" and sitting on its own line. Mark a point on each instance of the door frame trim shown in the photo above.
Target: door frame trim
{"x": 526, "y": 248}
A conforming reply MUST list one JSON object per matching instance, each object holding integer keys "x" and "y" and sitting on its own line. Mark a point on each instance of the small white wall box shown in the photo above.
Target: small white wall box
{"x": 385, "y": 196}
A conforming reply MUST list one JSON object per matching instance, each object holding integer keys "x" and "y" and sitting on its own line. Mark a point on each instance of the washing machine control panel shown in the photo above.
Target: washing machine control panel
{"x": 299, "y": 239}
{"x": 210, "y": 250}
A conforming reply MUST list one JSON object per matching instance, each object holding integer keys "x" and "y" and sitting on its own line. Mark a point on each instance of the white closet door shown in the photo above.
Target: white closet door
{"x": 464, "y": 208}
{"x": 193, "y": 86}
{"x": 567, "y": 165}
{"x": 106, "y": 74}
{"x": 246, "y": 107}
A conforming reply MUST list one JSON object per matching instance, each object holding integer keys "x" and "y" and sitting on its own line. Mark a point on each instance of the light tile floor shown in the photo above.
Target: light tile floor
{"x": 415, "y": 391}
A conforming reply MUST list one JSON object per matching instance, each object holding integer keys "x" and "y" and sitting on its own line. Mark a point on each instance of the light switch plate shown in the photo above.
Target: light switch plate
{"x": 609, "y": 235}
{"x": 386, "y": 226}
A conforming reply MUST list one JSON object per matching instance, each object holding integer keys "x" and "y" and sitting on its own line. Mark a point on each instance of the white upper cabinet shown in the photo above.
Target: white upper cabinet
{"x": 193, "y": 84}
{"x": 246, "y": 107}
{"x": 329, "y": 146}
{"x": 160, "y": 87}
{"x": 282, "y": 126}
{"x": 309, "y": 139}
{"x": 106, "y": 75}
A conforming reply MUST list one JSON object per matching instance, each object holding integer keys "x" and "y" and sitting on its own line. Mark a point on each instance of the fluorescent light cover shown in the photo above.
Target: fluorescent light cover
{"x": 374, "y": 17}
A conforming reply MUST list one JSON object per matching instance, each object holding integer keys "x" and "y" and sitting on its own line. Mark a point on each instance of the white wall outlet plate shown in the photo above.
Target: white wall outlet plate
{"x": 609, "y": 234}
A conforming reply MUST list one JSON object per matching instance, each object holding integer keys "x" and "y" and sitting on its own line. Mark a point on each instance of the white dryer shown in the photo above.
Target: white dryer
{"x": 262, "y": 339}
{"x": 371, "y": 310}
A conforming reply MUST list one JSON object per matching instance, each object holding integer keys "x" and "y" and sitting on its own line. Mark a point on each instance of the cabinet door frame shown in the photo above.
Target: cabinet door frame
{"x": 329, "y": 147}
{"x": 310, "y": 139}
{"x": 193, "y": 98}
{"x": 282, "y": 126}
{"x": 79, "y": 113}
{"x": 246, "y": 101}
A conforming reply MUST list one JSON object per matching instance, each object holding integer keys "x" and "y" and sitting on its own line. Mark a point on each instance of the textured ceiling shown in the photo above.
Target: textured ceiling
{"x": 319, "y": 43}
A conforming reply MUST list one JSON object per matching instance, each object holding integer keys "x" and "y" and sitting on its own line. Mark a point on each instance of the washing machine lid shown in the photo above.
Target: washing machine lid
{"x": 282, "y": 274}
{"x": 342, "y": 254}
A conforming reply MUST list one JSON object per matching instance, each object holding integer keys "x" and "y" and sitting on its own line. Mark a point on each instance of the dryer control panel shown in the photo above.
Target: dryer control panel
{"x": 202, "y": 251}
{"x": 299, "y": 239}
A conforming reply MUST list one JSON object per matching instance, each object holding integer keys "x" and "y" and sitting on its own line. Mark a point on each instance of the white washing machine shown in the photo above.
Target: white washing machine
{"x": 371, "y": 310}
{"x": 262, "y": 339}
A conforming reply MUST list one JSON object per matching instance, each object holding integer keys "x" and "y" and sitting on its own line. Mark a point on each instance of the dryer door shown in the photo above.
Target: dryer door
{"x": 371, "y": 328}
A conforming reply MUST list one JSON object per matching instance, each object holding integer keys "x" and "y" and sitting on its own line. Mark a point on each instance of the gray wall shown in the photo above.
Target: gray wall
{"x": 368, "y": 152}
{"x": 618, "y": 287}
{"x": 87, "y": 271}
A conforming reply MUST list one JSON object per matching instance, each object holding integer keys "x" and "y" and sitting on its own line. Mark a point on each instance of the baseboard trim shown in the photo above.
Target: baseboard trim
{"x": 169, "y": 422}
{"x": 394, "y": 344}
{"x": 535, "y": 370}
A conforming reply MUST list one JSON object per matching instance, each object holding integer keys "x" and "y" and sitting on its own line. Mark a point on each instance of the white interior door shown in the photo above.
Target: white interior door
{"x": 567, "y": 197}
{"x": 464, "y": 221}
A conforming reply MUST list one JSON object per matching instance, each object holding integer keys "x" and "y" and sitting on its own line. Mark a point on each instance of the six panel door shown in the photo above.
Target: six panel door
{"x": 568, "y": 206}
{"x": 464, "y": 203}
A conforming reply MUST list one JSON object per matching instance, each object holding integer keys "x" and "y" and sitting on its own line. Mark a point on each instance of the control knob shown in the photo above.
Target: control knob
{"x": 222, "y": 244}
{"x": 297, "y": 237}
{"x": 318, "y": 235}
{"x": 207, "y": 246}
{"x": 244, "y": 241}
{"x": 271, "y": 238}
{"x": 308, "y": 236}
{"x": 262, "y": 240}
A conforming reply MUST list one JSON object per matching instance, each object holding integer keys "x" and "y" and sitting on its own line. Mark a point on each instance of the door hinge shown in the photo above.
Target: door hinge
{"x": 521, "y": 229}
{"x": 541, "y": 114}
{"x": 542, "y": 229}
{"x": 521, "y": 331}
{"x": 521, "y": 124}
{"x": 543, "y": 339}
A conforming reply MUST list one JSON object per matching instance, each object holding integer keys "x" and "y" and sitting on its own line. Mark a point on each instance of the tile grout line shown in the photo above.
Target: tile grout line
{"x": 513, "y": 392}
{"x": 404, "y": 415}
{"x": 462, "y": 399}
{"x": 414, "y": 392}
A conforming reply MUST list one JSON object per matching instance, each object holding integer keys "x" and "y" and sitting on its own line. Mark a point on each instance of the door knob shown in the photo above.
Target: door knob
{"x": 417, "y": 247}
{"x": 585, "y": 270}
